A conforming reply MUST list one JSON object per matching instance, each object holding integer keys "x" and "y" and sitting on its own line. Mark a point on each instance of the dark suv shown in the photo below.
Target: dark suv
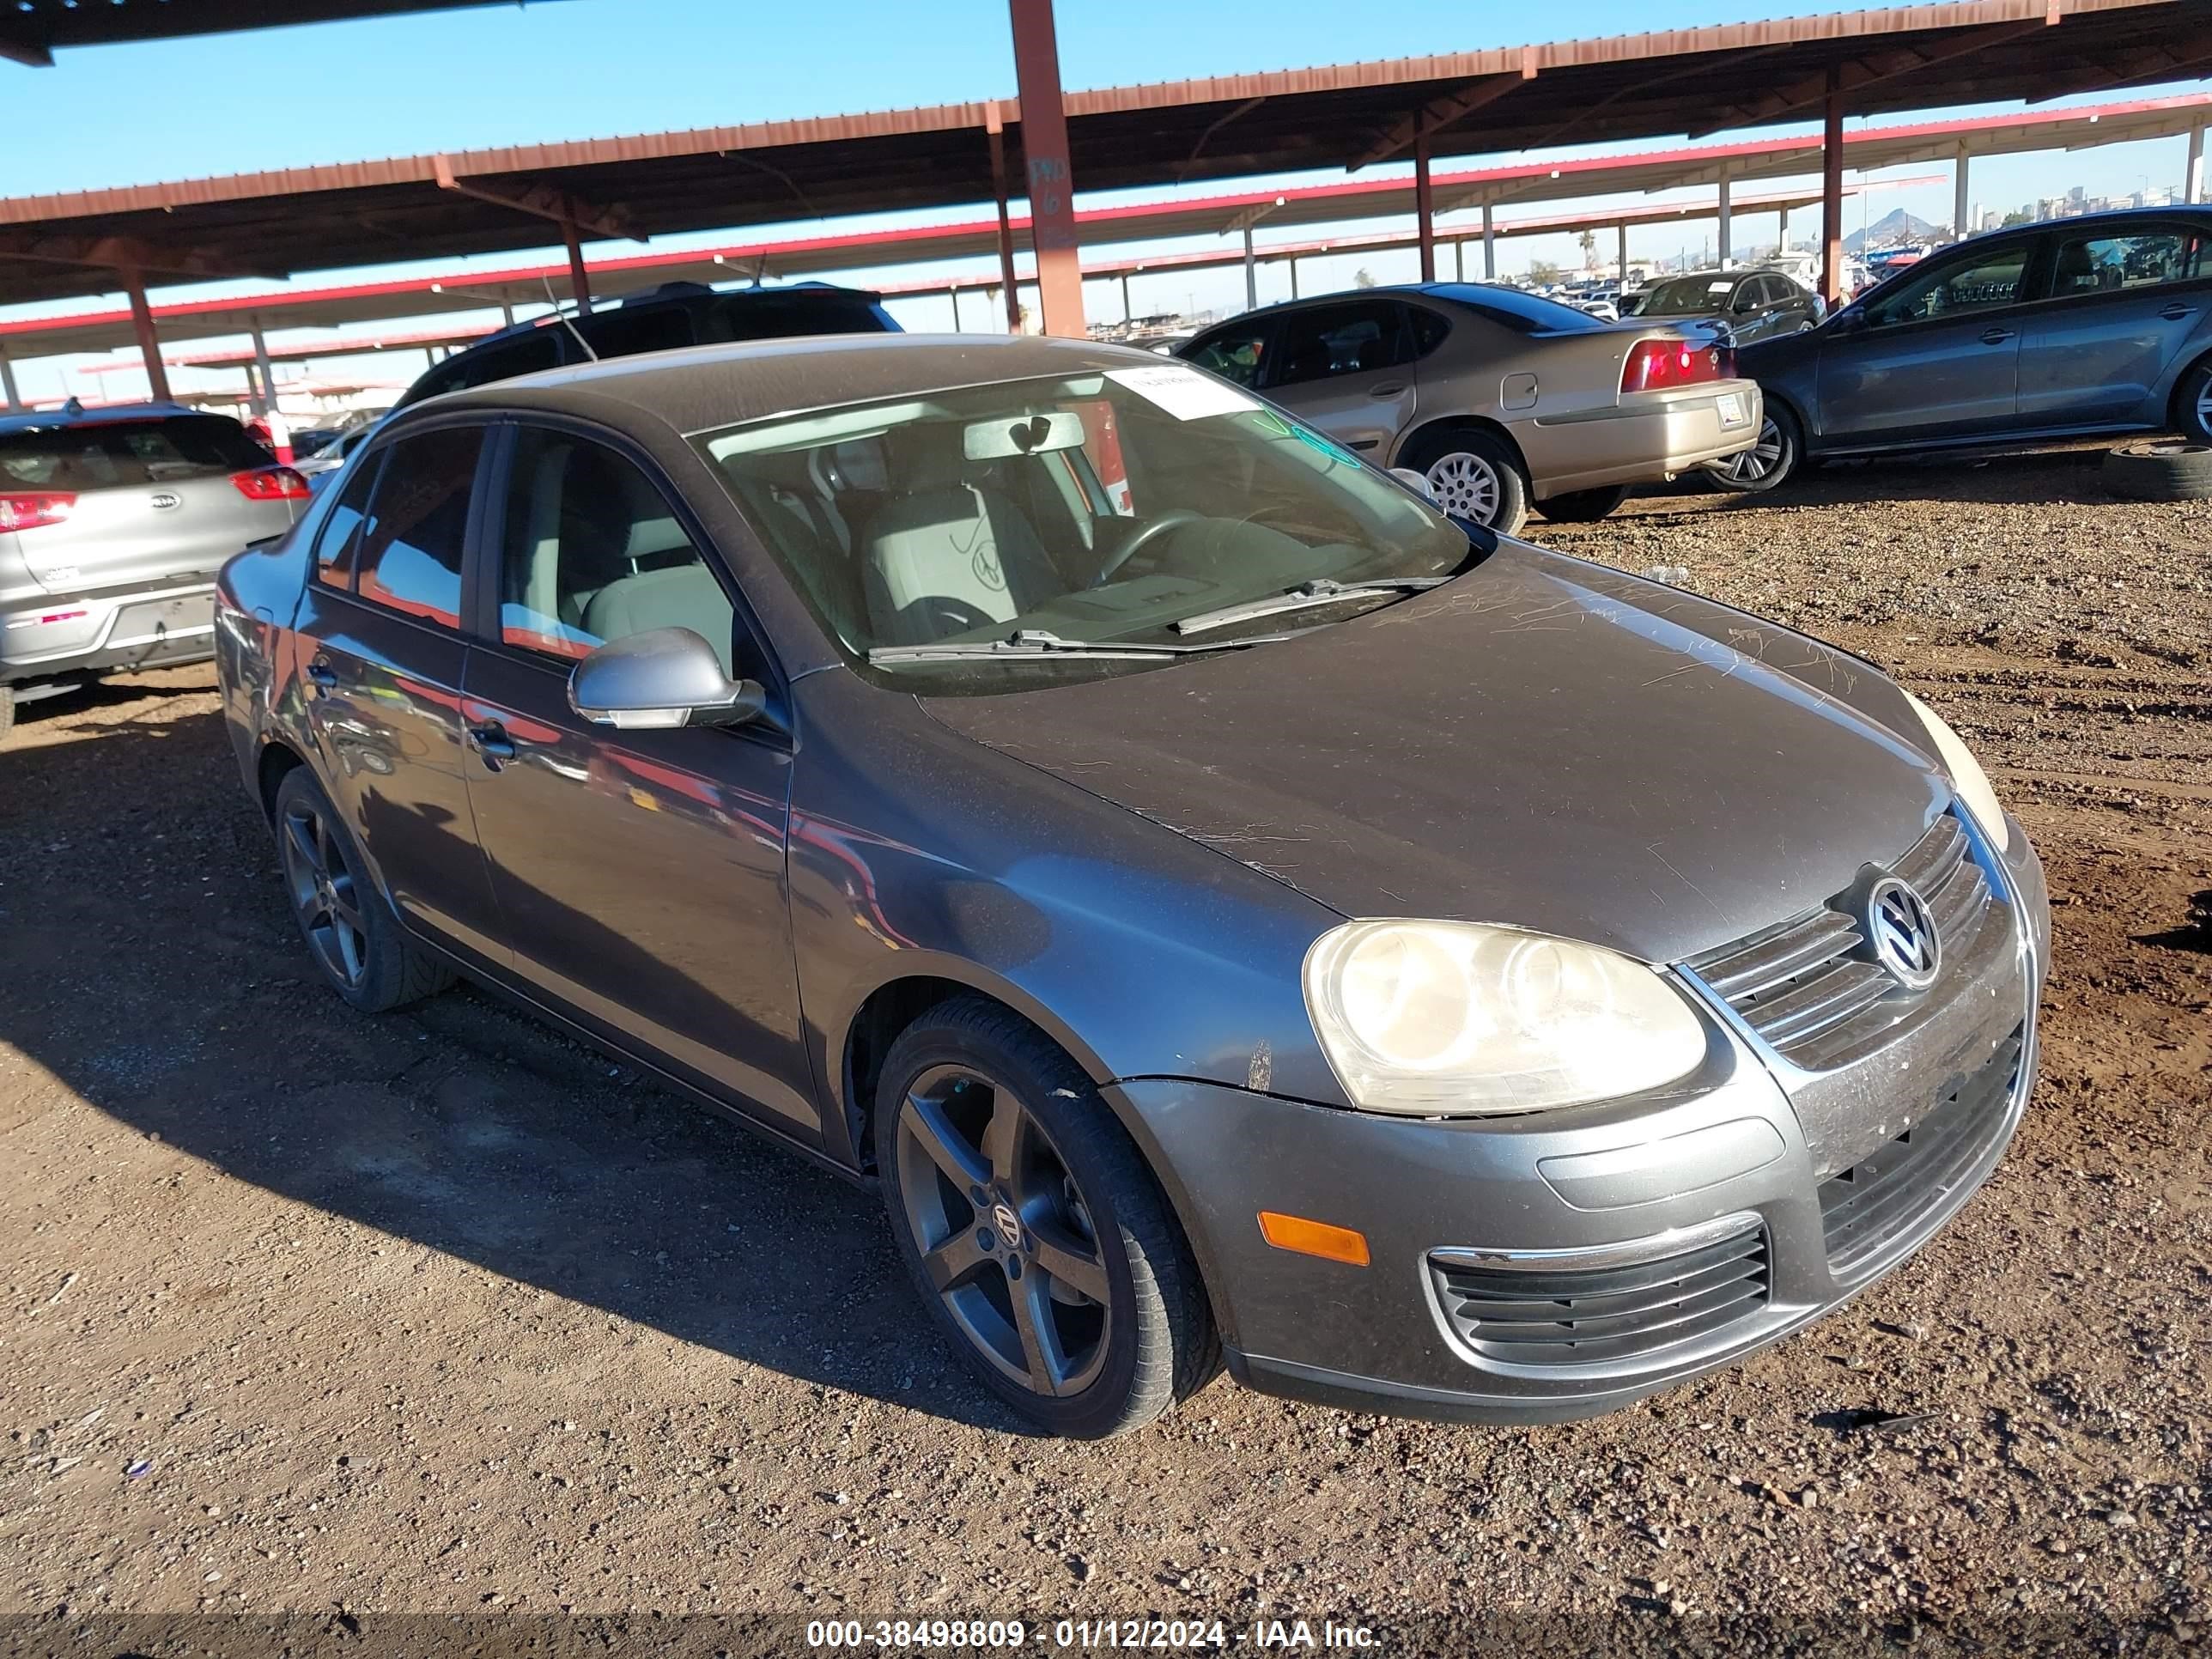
{"x": 659, "y": 319}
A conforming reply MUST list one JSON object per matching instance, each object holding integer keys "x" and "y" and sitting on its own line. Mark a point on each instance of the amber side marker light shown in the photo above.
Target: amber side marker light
{"x": 1295, "y": 1232}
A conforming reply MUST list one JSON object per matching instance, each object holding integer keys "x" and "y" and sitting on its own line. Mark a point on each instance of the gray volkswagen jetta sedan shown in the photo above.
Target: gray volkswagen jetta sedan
{"x": 1227, "y": 909}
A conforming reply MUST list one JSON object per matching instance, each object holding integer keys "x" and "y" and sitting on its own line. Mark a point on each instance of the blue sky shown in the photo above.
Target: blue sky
{"x": 573, "y": 69}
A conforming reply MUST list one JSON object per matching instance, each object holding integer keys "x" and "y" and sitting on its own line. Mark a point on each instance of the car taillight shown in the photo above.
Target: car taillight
{"x": 1663, "y": 365}
{"x": 28, "y": 510}
{"x": 271, "y": 484}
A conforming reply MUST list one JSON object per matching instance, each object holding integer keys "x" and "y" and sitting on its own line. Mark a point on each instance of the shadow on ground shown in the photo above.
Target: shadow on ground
{"x": 150, "y": 965}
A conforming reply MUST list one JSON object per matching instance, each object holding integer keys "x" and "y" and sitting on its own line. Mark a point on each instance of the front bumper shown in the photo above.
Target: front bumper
{"x": 1646, "y": 437}
{"x": 172, "y": 622}
{"x": 1722, "y": 1154}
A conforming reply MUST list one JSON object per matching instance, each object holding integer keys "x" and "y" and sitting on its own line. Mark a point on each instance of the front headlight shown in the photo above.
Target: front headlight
{"x": 1440, "y": 1018}
{"x": 1967, "y": 774}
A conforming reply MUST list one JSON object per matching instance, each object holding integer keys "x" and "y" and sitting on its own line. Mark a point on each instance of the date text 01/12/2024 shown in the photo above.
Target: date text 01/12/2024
{"x": 1290, "y": 1634}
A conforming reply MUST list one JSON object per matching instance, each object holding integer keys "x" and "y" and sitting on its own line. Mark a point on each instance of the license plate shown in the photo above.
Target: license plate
{"x": 1732, "y": 413}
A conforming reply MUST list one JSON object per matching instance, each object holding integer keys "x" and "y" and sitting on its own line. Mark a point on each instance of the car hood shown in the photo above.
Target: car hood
{"x": 1541, "y": 742}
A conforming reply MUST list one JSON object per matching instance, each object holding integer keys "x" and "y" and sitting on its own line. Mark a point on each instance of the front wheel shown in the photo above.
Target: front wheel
{"x": 1582, "y": 506}
{"x": 2192, "y": 404}
{"x": 1474, "y": 474}
{"x": 1772, "y": 457}
{"x": 1040, "y": 1244}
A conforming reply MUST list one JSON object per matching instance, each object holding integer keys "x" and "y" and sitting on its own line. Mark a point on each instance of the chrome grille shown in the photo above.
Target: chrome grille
{"x": 1586, "y": 1316}
{"x": 1885, "y": 1194}
{"x": 1805, "y": 985}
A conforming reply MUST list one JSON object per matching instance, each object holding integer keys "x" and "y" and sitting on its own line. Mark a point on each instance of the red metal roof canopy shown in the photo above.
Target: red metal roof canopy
{"x": 32, "y": 30}
{"x": 1623, "y": 87}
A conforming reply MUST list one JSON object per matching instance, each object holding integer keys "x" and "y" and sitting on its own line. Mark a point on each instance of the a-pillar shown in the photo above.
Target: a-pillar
{"x": 265, "y": 400}
{"x": 1724, "y": 219}
{"x": 1424, "y": 209}
{"x": 2192, "y": 180}
{"x": 1832, "y": 190}
{"x": 7, "y": 383}
{"x": 149, "y": 344}
{"x": 1251, "y": 274}
{"x": 1051, "y": 182}
{"x": 1962, "y": 205}
{"x": 1488, "y": 244}
{"x": 579, "y": 279}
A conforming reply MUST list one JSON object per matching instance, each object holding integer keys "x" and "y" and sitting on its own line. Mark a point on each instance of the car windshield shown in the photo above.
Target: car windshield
{"x": 1686, "y": 296}
{"x": 1101, "y": 509}
{"x": 107, "y": 454}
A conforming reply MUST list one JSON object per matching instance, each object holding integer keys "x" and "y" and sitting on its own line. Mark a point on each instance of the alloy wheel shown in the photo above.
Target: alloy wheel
{"x": 1004, "y": 1235}
{"x": 323, "y": 894}
{"x": 2204, "y": 406}
{"x": 1750, "y": 465}
{"x": 1465, "y": 486}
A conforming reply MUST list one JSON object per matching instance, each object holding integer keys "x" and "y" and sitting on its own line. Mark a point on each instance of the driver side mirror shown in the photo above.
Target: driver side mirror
{"x": 659, "y": 679}
{"x": 1416, "y": 481}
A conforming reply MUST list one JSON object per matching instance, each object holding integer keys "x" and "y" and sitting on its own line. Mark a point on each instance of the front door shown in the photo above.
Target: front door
{"x": 2122, "y": 307}
{"x": 384, "y": 681}
{"x": 1938, "y": 357}
{"x": 640, "y": 875}
{"x": 1347, "y": 369}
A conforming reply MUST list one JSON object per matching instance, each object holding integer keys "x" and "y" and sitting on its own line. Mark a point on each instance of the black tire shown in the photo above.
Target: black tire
{"x": 7, "y": 711}
{"x": 1474, "y": 474}
{"x": 1582, "y": 506}
{"x": 349, "y": 928}
{"x": 2192, "y": 404}
{"x": 2160, "y": 470}
{"x": 1151, "y": 1343}
{"x": 1775, "y": 454}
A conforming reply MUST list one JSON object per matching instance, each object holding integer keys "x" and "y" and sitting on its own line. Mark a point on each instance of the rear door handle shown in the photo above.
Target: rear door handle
{"x": 2175, "y": 311}
{"x": 1996, "y": 336}
{"x": 489, "y": 739}
{"x": 1395, "y": 389}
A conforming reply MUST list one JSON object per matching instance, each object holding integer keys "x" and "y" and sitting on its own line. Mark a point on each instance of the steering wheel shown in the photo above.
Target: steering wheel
{"x": 1170, "y": 519}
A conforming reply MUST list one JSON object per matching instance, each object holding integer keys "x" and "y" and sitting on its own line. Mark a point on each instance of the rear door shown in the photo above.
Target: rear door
{"x": 2120, "y": 307}
{"x": 1934, "y": 354}
{"x": 639, "y": 874}
{"x": 1347, "y": 369}
{"x": 156, "y": 501}
{"x": 380, "y": 628}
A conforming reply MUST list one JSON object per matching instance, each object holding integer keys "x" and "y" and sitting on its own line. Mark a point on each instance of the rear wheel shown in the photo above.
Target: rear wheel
{"x": 349, "y": 930}
{"x": 1772, "y": 457}
{"x": 1040, "y": 1244}
{"x": 1582, "y": 506}
{"x": 1474, "y": 474}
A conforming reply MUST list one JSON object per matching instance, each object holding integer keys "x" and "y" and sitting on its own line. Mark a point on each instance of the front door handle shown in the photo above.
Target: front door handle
{"x": 1996, "y": 336}
{"x": 323, "y": 677}
{"x": 489, "y": 739}
{"x": 2175, "y": 311}
{"x": 1394, "y": 389}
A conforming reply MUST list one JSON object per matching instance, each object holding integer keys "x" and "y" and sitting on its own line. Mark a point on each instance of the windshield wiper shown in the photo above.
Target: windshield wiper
{"x": 1036, "y": 642}
{"x": 1322, "y": 590}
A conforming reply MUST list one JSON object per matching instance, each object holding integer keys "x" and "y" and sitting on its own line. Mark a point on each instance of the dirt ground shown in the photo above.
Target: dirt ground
{"x": 312, "y": 1313}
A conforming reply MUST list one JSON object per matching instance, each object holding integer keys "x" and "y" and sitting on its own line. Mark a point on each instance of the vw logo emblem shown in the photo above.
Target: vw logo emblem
{"x": 1902, "y": 933}
{"x": 1008, "y": 1224}
{"x": 165, "y": 500}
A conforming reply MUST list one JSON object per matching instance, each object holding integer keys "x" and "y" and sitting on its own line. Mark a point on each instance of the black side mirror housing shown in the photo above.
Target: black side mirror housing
{"x": 660, "y": 679}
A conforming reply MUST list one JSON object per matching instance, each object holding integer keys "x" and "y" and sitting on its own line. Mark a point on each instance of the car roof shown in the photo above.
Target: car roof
{"x": 40, "y": 419}
{"x": 672, "y": 294}
{"x": 697, "y": 387}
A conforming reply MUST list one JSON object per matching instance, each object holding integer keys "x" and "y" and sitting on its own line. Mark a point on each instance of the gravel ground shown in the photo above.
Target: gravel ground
{"x": 347, "y": 1318}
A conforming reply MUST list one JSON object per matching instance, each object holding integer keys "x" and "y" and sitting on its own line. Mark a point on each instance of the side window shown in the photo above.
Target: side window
{"x": 1355, "y": 338}
{"x": 1429, "y": 329}
{"x": 411, "y": 551}
{"x": 1957, "y": 285}
{"x": 626, "y": 331}
{"x": 335, "y": 543}
{"x": 590, "y": 550}
{"x": 481, "y": 365}
{"x": 2104, "y": 264}
{"x": 1235, "y": 353}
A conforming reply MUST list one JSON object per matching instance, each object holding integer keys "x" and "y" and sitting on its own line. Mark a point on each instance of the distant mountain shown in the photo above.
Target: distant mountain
{"x": 1893, "y": 226}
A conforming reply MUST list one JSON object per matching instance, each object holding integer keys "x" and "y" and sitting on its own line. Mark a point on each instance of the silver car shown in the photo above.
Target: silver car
{"x": 113, "y": 524}
{"x": 1500, "y": 399}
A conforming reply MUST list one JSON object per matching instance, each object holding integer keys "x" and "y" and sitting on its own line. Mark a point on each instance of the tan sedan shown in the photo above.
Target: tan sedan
{"x": 1500, "y": 398}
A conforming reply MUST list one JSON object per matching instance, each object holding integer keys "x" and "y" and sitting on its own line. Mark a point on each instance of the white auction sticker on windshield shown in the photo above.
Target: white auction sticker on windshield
{"x": 1183, "y": 392}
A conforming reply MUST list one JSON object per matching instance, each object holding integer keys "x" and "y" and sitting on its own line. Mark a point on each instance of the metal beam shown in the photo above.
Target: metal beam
{"x": 1438, "y": 113}
{"x": 1831, "y": 191}
{"x": 607, "y": 219}
{"x": 579, "y": 275}
{"x": 134, "y": 252}
{"x": 29, "y": 53}
{"x": 149, "y": 343}
{"x": 2147, "y": 64}
{"x": 1860, "y": 73}
{"x": 2192, "y": 180}
{"x": 1206, "y": 137}
{"x": 1960, "y": 204}
{"x": 1723, "y": 216}
{"x": 7, "y": 383}
{"x": 1051, "y": 180}
{"x": 1489, "y": 243}
{"x": 1251, "y": 275}
{"x": 267, "y": 399}
{"x": 995, "y": 130}
{"x": 1424, "y": 209}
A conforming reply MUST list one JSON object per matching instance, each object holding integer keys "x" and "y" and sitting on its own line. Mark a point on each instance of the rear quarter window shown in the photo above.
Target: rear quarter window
{"x": 1524, "y": 313}
{"x": 110, "y": 454}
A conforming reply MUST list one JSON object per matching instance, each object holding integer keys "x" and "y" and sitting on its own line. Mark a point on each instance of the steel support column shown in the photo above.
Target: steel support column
{"x": 1051, "y": 184}
{"x": 265, "y": 400}
{"x": 1724, "y": 219}
{"x": 578, "y": 278}
{"x": 2192, "y": 180}
{"x": 1960, "y": 205}
{"x": 1488, "y": 244}
{"x": 507, "y": 314}
{"x": 1128, "y": 312}
{"x": 1832, "y": 190}
{"x": 995, "y": 129}
{"x": 1294, "y": 276}
{"x": 1424, "y": 208}
{"x": 1459, "y": 259}
{"x": 7, "y": 382}
{"x": 149, "y": 344}
{"x": 1622, "y": 252}
{"x": 953, "y": 294}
